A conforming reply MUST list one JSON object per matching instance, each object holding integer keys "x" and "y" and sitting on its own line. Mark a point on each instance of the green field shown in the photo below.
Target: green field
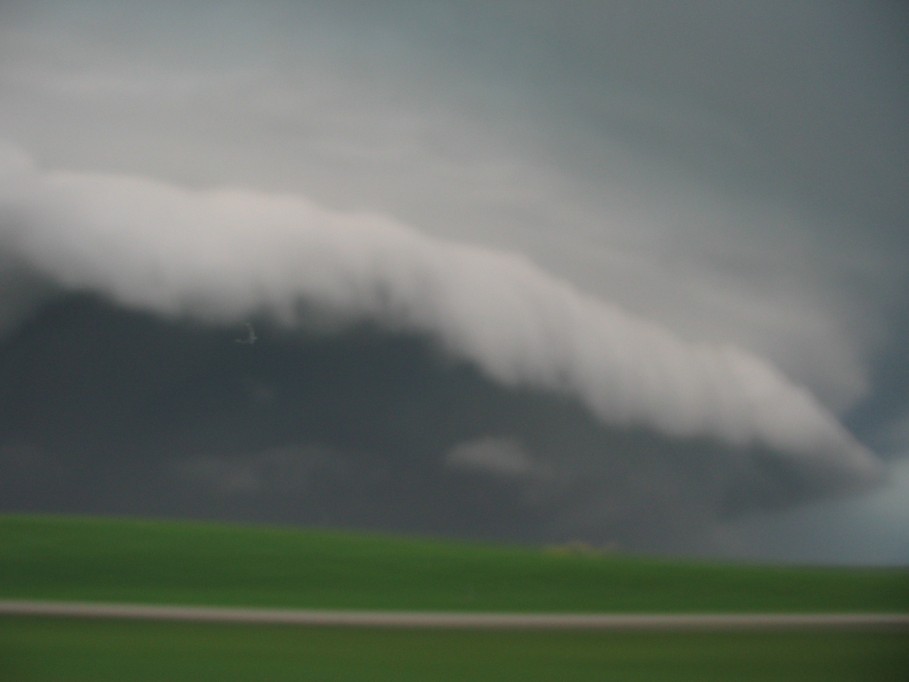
{"x": 52, "y": 558}
{"x": 192, "y": 563}
{"x": 42, "y": 650}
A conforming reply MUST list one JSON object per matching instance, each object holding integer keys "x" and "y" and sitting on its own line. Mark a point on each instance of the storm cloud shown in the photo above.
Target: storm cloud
{"x": 113, "y": 411}
{"x": 622, "y": 272}
{"x": 223, "y": 256}
{"x": 675, "y": 429}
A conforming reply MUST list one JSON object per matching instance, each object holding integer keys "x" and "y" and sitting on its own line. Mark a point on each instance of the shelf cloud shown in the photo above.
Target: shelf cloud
{"x": 616, "y": 272}
{"x": 221, "y": 257}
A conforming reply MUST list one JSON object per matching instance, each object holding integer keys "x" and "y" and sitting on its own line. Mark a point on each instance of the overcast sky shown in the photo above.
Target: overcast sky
{"x": 633, "y": 273}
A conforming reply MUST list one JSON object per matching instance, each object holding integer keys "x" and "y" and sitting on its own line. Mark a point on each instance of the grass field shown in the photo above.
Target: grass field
{"x": 39, "y": 650}
{"x": 190, "y": 563}
{"x": 52, "y": 558}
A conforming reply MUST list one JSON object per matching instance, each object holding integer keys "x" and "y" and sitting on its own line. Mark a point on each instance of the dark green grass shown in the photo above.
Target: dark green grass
{"x": 38, "y": 649}
{"x": 189, "y": 563}
{"x": 63, "y": 558}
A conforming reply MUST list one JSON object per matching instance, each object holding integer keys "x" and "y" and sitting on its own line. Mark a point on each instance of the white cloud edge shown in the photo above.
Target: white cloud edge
{"x": 222, "y": 254}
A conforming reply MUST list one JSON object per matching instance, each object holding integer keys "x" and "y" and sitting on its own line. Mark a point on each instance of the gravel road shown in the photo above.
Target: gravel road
{"x": 411, "y": 619}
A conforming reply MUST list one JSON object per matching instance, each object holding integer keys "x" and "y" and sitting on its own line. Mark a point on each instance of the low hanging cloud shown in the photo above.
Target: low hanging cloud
{"x": 223, "y": 255}
{"x": 498, "y": 456}
{"x": 106, "y": 409}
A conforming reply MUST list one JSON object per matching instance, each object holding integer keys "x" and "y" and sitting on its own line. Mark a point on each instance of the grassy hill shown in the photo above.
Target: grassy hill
{"x": 92, "y": 559}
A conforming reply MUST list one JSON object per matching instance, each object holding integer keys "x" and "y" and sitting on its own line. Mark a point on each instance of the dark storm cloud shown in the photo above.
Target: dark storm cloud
{"x": 659, "y": 244}
{"x": 398, "y": 381}
{"x": 110, "y": 411}
{"x": 220, "y": 256}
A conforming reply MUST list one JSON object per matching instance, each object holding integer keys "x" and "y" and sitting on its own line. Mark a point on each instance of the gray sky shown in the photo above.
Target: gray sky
{"x": 625, "y": 271}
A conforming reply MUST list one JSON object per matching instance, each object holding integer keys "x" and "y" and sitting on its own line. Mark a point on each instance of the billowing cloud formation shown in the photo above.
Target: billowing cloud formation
{"x": 109, "y": 410}
{"x": 223, "y": 255}
{"x": 723, "y": 183}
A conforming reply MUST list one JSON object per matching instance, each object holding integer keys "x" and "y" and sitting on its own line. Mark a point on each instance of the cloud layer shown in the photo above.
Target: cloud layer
{"x": 221, "y": 256}
{"x": 541, "y": 270}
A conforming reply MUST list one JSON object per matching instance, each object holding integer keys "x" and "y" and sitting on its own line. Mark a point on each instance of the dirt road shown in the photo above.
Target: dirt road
{"x": 395, "y": 619}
